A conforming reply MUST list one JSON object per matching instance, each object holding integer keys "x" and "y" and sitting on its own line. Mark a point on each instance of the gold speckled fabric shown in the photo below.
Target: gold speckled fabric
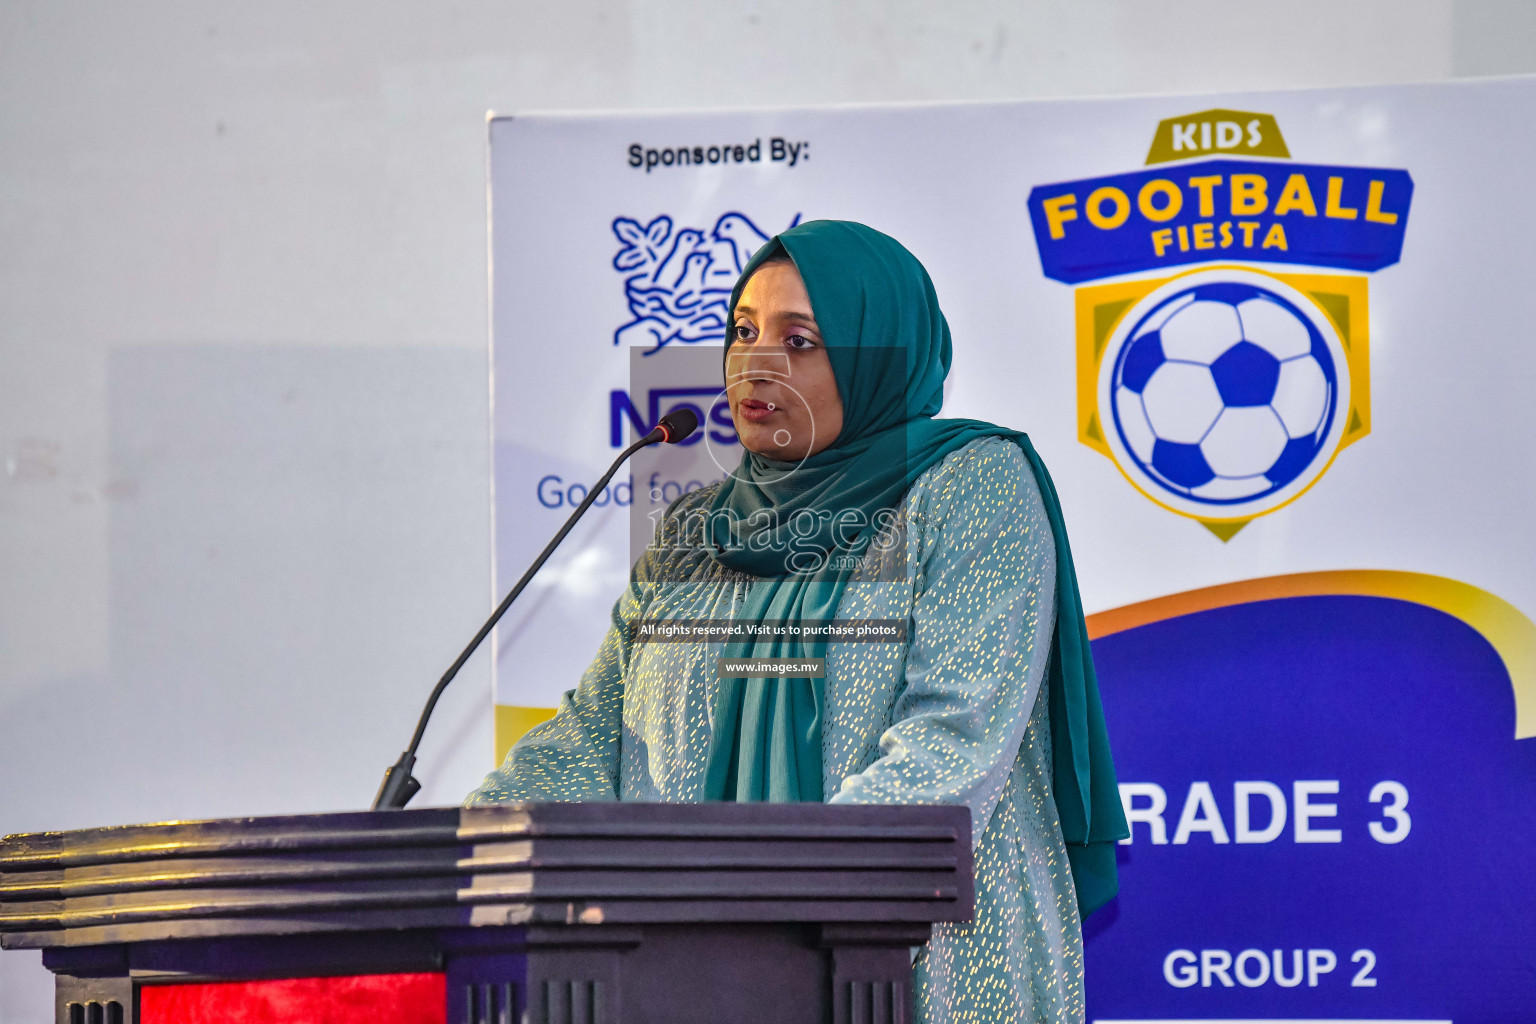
{"x": 956, "y": 715}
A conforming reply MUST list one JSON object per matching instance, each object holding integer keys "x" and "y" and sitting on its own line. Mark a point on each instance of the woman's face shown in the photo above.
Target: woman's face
{"x": 779, "y": 380}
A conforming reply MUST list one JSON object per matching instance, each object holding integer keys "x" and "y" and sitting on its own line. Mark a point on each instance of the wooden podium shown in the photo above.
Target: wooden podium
{"x": 536, "y": 913}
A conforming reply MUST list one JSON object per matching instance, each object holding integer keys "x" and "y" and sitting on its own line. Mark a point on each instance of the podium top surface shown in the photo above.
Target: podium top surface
{"x": 513, "y": 864}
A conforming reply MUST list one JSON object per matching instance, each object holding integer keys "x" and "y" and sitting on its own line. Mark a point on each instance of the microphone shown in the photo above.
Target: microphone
{"x": 399, "y": 785}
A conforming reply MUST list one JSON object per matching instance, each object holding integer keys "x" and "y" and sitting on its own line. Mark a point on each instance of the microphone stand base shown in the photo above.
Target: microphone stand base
{"x": 399, "y": 785}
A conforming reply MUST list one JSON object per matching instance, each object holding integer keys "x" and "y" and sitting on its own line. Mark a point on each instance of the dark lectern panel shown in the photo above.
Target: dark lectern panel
{"x": 123, "y": 844}
{"x": 494, "y": 865}
{"x": 539, "y": 913}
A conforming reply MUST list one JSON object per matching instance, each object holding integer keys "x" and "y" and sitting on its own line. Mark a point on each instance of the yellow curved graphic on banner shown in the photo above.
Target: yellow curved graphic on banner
{"x": 512, "y": 720}
{"x": 1511, "y": 633}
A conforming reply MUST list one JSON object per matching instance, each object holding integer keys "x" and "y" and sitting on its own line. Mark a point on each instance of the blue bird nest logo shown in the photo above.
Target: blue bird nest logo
{"x": 678, "y": 282}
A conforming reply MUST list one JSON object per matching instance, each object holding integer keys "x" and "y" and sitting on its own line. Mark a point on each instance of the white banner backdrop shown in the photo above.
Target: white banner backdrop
{"x": 1277, "y": 351}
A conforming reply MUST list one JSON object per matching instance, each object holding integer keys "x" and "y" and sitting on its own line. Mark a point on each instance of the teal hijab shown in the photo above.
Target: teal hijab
{"x": 889, "y": 346}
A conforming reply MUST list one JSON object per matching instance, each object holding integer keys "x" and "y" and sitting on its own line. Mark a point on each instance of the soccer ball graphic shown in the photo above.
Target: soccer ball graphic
{"x": 1224, "y": 394}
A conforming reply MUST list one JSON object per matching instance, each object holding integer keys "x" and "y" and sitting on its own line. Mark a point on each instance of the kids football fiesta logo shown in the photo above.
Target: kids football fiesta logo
{"x": 1222, "y": 392}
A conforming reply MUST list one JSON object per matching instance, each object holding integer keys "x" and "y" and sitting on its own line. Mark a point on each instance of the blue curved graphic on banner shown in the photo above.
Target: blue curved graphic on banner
{"x": 1398, "y": 884}
{"x": 1352, "y": 218}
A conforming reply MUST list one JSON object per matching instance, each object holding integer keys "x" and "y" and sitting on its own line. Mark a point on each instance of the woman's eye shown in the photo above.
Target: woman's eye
{"x": 743, "y": 332}
{"x": 799, "y": 341}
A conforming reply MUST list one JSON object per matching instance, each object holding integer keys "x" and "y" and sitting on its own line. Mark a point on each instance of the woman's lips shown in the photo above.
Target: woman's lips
{"x": 754, "y": 411}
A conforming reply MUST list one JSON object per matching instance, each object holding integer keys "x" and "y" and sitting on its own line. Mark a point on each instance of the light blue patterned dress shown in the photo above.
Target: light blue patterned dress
{"x": 956, "y": 716}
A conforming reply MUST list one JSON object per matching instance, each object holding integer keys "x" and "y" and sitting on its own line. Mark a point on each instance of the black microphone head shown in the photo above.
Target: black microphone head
{"x": 678, "y": 424}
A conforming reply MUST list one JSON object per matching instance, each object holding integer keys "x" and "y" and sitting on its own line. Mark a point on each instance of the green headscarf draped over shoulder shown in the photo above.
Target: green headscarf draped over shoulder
{"x": 889, "y": 346}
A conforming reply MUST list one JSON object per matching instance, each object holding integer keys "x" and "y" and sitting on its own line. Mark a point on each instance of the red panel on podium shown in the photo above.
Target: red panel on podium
{"x": 398, "y": 998}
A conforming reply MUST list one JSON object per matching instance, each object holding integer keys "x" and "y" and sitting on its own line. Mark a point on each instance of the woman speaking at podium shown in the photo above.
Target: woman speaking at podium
{"x": 852, "y": 502}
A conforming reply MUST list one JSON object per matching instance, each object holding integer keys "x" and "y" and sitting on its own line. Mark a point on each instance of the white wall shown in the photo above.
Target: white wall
{"x": 243, "y": 506}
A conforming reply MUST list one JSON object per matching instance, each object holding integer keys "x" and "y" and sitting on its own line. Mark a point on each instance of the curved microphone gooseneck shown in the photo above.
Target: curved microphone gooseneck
{"x": 399, "y": 785}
